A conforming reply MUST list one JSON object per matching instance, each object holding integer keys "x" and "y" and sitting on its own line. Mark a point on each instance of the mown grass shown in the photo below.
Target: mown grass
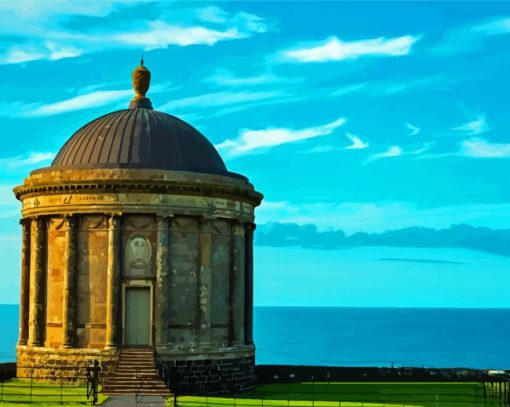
{"x": 355, "y": 395}
{"x": 16, "y": 392}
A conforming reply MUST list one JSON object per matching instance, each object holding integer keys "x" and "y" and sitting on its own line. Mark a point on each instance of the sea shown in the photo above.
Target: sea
{"x": 417, "y": 307}
{"x": 343, "y": 336}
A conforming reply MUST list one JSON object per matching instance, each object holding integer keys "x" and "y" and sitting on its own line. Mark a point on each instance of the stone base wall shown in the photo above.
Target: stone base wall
{"x": 212, "y": 376}
{"x": 55, "y": 364}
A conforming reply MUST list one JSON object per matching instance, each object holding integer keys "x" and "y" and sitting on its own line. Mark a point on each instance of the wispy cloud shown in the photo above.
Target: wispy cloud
{"x": 334, "y": 49}
{"x": 86, "y": 99}
{"x": 392, "y": 151}
{"x": 26, "y": 161}
{"x": 472, "y": 37}
{"x": 398, "y": 86}
{"x": 218, "y": 99}
{"x": 414, "y": 130}
{"x": 250, "y": 140}
{"x": 225, "y": 77}
{"x": 160, "y": 34}
{"x": 357, "y": 143}
{"x": 91, "y": 100}
{"x": 481, "y": 148}
{"x": 397, "y": 151}
{"x": 474, "y": 127}
{"x": 43, "y": 36}
{"x": 321, "y": 148}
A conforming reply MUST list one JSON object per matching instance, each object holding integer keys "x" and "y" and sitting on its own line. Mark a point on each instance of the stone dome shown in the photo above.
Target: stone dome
{"x": 140, "y": 138}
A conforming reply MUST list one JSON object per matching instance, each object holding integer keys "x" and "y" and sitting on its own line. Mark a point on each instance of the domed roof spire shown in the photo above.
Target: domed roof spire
{"x": 141, "y": 78}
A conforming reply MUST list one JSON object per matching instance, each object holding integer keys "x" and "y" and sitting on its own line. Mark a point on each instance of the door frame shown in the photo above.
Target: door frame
{"x": 138, "y": 283}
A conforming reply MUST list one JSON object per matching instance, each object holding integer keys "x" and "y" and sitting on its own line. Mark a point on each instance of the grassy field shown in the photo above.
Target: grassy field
{"x": 16, "y": 392}
{"x": 355, "y": 395}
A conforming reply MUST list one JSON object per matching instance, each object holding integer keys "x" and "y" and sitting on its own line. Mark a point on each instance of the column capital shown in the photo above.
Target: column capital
{"x": 249, "y": 226}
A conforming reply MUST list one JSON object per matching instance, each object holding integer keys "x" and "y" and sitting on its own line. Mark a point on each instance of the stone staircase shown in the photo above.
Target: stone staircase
{"x": 135, "y": 373}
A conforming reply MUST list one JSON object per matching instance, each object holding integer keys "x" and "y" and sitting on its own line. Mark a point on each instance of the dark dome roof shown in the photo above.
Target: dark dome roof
{"x": 140, "y": 138}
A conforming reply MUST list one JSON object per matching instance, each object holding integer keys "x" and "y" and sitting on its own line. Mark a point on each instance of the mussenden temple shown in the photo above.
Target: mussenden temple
{"x": 137, "y": 246}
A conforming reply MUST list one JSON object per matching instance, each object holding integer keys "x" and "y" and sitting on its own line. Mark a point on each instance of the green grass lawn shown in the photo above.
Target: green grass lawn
{"x": 16, "y": 392}
{"x": 355, "y": 395}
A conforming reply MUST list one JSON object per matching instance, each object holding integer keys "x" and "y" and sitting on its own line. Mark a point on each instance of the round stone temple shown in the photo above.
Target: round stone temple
{"x": 137, "y": 241}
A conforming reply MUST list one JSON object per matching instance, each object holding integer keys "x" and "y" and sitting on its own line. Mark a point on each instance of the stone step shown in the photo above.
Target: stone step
{"x": 146, "y": 373}
{"x": 150, "y": 379}
{"x": 136, "y": 352}
{"x": 140, "y": 393}
{"x": 134, "y": 387}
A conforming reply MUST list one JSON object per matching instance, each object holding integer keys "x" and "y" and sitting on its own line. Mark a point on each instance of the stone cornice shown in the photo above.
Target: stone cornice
{"x": 139, "y": 181}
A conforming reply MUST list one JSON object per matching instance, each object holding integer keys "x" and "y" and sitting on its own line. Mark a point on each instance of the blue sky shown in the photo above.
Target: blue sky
{"x": 356, "y": 115}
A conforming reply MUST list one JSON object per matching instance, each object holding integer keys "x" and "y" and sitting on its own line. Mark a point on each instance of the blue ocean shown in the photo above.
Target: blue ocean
{"x": 474, "y": 338}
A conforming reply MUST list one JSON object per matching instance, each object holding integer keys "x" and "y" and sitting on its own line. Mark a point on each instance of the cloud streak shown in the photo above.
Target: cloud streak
{"x": 480, "y": 148}
{"x": 357, "y": 143}
{"x": 474, "y": 127}
{"x": 414, "y": 130}
{"x": 250, "y": 140}
{"x": 51, "y": 40}
{"x": 334, "y": 49}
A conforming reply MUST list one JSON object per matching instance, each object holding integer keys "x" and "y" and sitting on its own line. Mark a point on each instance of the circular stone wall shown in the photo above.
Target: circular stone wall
{"x": 91, "y": 238}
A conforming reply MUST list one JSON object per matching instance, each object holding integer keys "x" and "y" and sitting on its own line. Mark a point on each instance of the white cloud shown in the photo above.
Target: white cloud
{"x": 397, "y": 151}
{"x": 90, "y": 100}
{"x": 250, "y": 140}
{"x": 472, "y": 37}
{"x": 474, "y": 127}
{"x": 481, "y": 148}
{"x": 225, "y": 77}
{"x": 493, "y": 27}
{"x": 321, "y": 148}
{"x": 412, "y": 128}
{"x": 357, "y": 143}
{"x": 402, "y": 85}
{"x": 216, "y": 99}
{"x": 49, "y": 51}
{"x": 26, "y": 161}
{"x": 334, "y": 49}
{"x": 381, "y": 216}
{"x": 44, "y": 37}
{"x": 393, "y": 151}
{"x": 212, "y": 14}
{"x": 161, "y": 34}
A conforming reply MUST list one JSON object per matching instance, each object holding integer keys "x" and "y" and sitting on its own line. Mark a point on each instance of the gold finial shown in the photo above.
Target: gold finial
{"x": 141, "y": 79}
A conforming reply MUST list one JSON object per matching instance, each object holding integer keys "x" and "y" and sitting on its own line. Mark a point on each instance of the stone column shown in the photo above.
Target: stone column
{"x": 236, "y": 292}
{"x": 25, "y": 281}
{"x": 70, "y": 283}
{"x": 231, "y": 282}
{"x": 37, "y": 283}
{"x": 248, "y": 287}
{"x": 113, "y": 283}
{"x": 204, "y": 286}
{"x": 162, "y": 281}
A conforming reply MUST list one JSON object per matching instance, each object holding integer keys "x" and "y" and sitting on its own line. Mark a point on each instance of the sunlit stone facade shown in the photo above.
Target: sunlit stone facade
{"x": 127, "y": 246}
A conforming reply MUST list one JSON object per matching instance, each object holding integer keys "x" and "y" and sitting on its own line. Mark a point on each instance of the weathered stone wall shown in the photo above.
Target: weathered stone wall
{"x": 220, "y": 266}
{"x": 55, "y": 281}
{"x": 92, "y": 264}
{"x": 81, "y": 230}
{"x": 183, "y": 295}
{"x": 238, "y": 284}
{"x": 52, "y": 364}
{"x": 212, "y": 376}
